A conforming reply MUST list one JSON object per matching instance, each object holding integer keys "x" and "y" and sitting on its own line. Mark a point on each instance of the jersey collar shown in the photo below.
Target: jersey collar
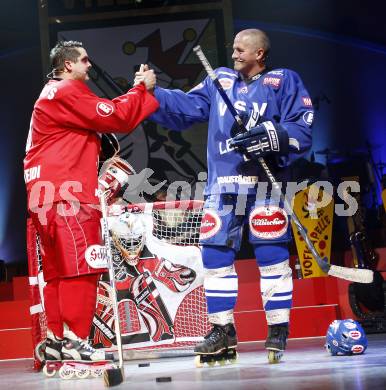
{"x": 253, "y": 78}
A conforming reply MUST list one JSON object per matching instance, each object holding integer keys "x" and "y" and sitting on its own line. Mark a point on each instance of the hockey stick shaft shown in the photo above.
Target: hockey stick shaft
{"x": 106, "y": 236}
{"x": 205, "y": 63}
{"x": 352, "y": 274}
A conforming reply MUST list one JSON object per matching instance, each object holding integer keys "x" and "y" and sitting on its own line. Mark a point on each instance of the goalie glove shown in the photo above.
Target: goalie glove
{"x": 262, "y": 140}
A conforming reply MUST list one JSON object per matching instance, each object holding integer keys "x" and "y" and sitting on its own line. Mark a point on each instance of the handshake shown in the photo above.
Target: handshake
{"x": 145, "y": 76}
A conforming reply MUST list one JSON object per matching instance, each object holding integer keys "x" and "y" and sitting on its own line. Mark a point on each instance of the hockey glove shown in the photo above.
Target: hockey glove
{"x": 266, "y": 138}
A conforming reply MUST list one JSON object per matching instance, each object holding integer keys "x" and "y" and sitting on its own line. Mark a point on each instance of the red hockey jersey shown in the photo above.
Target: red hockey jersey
{"x": 63, "y": 144}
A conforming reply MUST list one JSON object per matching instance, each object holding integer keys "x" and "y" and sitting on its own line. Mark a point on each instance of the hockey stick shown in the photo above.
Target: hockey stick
{"x": 352, "y": 274}
{"x": 112, "y": 376}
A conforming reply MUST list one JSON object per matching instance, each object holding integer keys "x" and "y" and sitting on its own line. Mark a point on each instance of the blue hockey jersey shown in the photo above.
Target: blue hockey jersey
{"x": 277, "y": 95}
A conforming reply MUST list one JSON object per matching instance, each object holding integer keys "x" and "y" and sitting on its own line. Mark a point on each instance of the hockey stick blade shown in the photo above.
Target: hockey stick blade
{"x": 352, "y": 274}
{"x": 113, "y": 376}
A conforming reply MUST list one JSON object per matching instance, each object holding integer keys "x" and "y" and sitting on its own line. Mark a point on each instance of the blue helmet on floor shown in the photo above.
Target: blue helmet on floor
{"x": 345, "y": 337}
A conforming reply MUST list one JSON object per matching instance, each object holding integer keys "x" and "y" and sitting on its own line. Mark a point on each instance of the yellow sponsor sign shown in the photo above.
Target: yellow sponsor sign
{"x": 315, "y": 210}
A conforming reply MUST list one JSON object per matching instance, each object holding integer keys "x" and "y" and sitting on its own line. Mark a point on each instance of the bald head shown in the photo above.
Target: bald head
{"x": 256, "y": 39}
{"x": 250, "y": 50}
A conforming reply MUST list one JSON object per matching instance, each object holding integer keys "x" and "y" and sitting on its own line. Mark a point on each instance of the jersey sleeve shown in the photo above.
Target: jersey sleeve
{"x": 79, "y": 108}
{"x": 296, "y": 114}
{"x": 179, "y": 110}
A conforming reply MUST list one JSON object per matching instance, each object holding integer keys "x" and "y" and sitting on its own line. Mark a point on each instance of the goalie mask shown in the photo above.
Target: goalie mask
{"x": 345, "y": 337}
{"x": 128, "y": 234}
{"x": 114, "y": 175}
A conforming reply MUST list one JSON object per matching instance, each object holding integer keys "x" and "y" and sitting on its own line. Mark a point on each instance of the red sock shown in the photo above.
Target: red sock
{"x": 77, "y": 303}
{"x": 52, "y": 307}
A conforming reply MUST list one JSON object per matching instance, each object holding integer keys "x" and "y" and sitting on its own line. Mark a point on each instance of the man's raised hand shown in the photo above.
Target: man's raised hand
{"x": 146, "y": 76}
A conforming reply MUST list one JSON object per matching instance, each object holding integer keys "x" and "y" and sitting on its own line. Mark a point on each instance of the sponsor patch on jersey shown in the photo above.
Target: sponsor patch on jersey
{"x": 355, "y": 334}
{"x": 210, "y": 224}
{"x": 96, "y": 256}
{"x": 226, "y": 83}
{"x": 357, "y": 349}
{"x": 104, "y": 109}
{"x": 308, "y": 117}
{"x": 307, "y": 101}
{"x": 268, "y": 222}
{"x": 273, "y": 81}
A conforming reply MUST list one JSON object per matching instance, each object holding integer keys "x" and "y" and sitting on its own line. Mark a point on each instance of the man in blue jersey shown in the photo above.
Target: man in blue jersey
{"x": 278, "y": 113}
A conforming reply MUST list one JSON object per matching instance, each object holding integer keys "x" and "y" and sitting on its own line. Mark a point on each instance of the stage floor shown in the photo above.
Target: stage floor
{"x": 306, "y": 365}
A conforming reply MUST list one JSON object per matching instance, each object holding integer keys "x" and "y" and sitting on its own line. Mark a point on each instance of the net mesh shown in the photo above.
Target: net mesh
{"x": 177, "y": 223}
{"x": 191, "y": 318}
{"x": 178, "y": 226}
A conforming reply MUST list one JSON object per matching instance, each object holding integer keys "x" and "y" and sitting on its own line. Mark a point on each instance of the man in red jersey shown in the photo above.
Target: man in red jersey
{"x": 61, "y": 175}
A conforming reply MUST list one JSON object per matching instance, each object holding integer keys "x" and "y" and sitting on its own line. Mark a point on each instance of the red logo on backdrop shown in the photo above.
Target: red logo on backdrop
{"x": 268, "y": 222}
{"x": 357, "y": 348}
{"x": 354, "y": 334}
{"x": 210, "y": 224}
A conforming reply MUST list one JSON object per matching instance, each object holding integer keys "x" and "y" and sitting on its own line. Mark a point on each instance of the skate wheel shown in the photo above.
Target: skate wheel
{"x": 82, "y": 373}
{"x": 211, "y": 364}
{"x": 197, "y": 362}
{"x": 222, "y": 362}
{"x": 98, "y": 373}
{"x": 66, "y": 372}
{"x": 274, "y": 356}
{"x": 47, "y": 372}
{"x": 234, "y": 360}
